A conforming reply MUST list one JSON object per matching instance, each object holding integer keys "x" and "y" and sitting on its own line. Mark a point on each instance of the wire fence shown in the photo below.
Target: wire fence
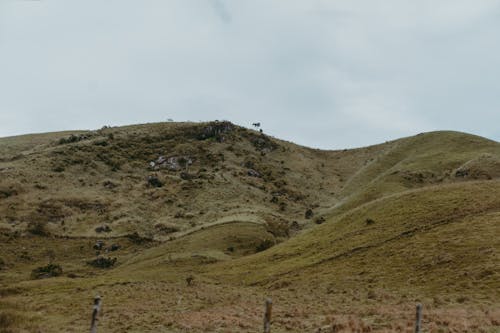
{"x": 96, "y": 308}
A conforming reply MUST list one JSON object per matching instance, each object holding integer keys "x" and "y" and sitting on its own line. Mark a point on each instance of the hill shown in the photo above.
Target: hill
{"x": 346, "y": 240}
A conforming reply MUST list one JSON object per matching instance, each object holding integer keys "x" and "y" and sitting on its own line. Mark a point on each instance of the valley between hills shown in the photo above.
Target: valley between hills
{"x": 189, "y": 227}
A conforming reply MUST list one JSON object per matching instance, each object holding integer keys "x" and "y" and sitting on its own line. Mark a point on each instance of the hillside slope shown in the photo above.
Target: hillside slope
{"x": 347, "y": 240}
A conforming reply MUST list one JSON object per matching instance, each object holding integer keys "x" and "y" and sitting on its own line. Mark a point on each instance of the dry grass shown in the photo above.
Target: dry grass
{"x": 429, "y": 238}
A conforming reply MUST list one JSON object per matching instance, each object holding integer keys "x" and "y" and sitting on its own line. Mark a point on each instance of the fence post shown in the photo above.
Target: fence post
{"x": 95, "y": 311}
{"x": 418, "y": 321}
{"x": 267, "y": 316}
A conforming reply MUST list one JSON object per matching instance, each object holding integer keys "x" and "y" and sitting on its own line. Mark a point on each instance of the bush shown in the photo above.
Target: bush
{"x": 278, "y": 228}
{"x": 166, "y": 228}
{"x": 48, "y": 271}
{"x": 38, "y": 228}
{"x": 309, "y": 213}
{"x": 101, "y": 262}
{"x": 154, "y": 181}
{"x": 137, "y": 239}
{"x": 264, "y": 245}
{"x": 319, "y": 220}
{"x": 103, "y": 228}
{"x": 72, "y": 138}
{"x": 369, "y": 221}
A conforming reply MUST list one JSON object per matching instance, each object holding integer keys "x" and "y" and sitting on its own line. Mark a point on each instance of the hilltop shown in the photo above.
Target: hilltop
{"x": 330, "y": 235}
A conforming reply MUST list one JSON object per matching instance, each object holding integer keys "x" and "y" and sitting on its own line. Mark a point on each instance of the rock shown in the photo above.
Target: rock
{"x": 173, "y": 163}
{"x": 161, "y": 160}
{"x": 253, "y": 173}
{"x": 99, "y": 245}
{"x": 215, "y": 130}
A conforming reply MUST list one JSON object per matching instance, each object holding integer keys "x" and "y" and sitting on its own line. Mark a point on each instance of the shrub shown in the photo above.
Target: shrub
{"x": 72, "y": 138}
{"x": 137, "y": 239}
{"x": 102, "y": 262}
{"x": 166, "y": 228}
{"x": 309, "y": 213}
{"x": 369, "y": 221}
{"x": 154, "y": 181}
{"x": 319, "y": 220}
{"x": 9, "y": 320}
{"x": 264, "y": 245}
{"x": 38, "y": 228}
{"x": 190, "y": 280}
{"x": 278, "y": 228}
{"x": 48, "y": 271}
{"x": 103, "y": 228}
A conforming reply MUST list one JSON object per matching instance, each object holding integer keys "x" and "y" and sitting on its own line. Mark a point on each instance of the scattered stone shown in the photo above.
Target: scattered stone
{"x": 98, "y": 245}
{"x": 253, "y": 173}
{"x": 173, "y": 163}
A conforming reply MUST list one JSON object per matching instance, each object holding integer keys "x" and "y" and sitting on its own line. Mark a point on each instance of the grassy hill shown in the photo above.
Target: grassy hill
{"x": 345, "y": 241}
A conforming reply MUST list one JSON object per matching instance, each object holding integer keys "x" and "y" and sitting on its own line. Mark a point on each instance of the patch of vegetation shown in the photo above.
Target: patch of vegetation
{"x": 102, "y": 262}
{"x": 103, "y": 228}
{"x": 138, "y": 239}
{"x": 369, "y": 221}
{"x": 264, "y": 245}
{"x": 43, "y": 272}
{"x": 166, "y": 228}
{"x": 319, "y": 220}
{"x": 38, "y": 228}
{"x": 154, "y": 181}
{"x": 278, "y": 228}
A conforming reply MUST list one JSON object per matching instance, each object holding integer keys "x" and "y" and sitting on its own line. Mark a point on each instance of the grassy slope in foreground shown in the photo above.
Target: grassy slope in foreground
{"x": 437, "y": 240}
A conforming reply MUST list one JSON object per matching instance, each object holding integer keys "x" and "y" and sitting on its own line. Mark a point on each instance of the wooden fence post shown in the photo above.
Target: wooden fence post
{"x": 95, "y": 311}
{"x": 267, "y": 316}
{"x": 418, "y": 320}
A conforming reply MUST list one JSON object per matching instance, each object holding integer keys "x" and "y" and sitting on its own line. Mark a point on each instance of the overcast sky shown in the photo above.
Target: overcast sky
{"x": 327, "y": 74}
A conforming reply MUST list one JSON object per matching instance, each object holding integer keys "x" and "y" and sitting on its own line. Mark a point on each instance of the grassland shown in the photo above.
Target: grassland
{"x": 343, "y": 241}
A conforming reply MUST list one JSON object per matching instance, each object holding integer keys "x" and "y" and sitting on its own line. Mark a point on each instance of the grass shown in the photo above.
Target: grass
{"x": 429, "y": 238}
